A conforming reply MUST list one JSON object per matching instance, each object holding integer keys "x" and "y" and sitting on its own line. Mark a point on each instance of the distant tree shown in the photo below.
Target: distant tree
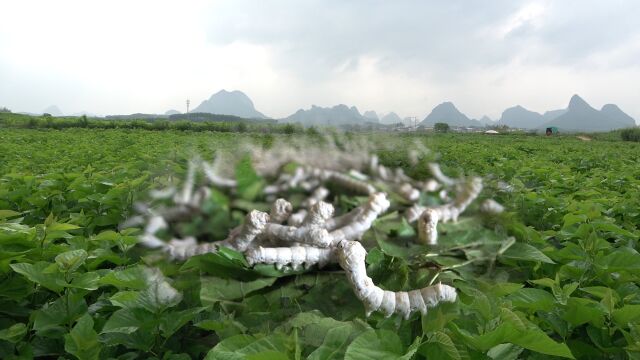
{"x": 289, "y": 129}
{"x": 630, "y": 134}
{"x": 241, "y": 127}
{"x": 498, "y": 127}
{"x": 441, "y": 127}
{"x": 313, "y": 131}
{"x": 4, "y": 110}
{"x": 83, "y": 122}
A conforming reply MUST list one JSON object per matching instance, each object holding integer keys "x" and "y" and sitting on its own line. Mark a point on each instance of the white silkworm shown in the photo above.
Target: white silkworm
{"x": 428, "y": 227}
{"x": 319, "y": 194}
{"x": 351, "y": 256}
{"x": 159, "y": 194}
{"x": 451, "y": 211}
{"x": 182, "y": 249}
{"x": 376, "y": 205}
{"x": 343, "y": 220}
{"x": 254, "y": 224}
{"x": 430, "y": 185}
{"x": 215, "y": 179}
{"x": 184, "y": 197}
{"x": 295, "y": 256}
{"x": 298, "y": 218}
{"x": 444, "y": 195}
{"x": 351, "y": 184}
{"x": 492, "y": 207}
{"x": 315, "y": 236}
{"x": 280, "y": 211}
{"x": 435, "y": 170}
{"x": 312, "y": 231}
{"x": 409, "y": 192}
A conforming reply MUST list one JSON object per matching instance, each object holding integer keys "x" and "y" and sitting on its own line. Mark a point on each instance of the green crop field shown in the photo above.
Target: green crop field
{"x": 554, "y": 276}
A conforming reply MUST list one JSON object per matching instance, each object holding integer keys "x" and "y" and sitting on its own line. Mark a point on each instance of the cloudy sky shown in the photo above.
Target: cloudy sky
{"x": 110, "y": 57}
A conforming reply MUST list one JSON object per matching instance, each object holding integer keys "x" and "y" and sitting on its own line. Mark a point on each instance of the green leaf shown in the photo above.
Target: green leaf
{"x": 334, "y": 344}
{"x": 249, "y": 183}
{"x": 213, "y": 290}
{"x": 8, "y": 213}
{"x": 108, "y": 235}
{"x": 36, "y": 273}
{"x": 225, "y": 263}
{"x": 126, "y": 321}
{"x": 622, "y": 259}
{"x": 532, "y": 299}
{"x": 159, "y": 294}
{"x": 538, "y": 341}
{"x": 172, "y": 321}
{"x": 70, "y": 261}
{"x": 61, "y": 312}
{"x": 376, "y": 344}
{"x": 581, "y": 311}
{"x": 627, "y": 314}
{"x": 439, "y": 345}
{"x": 132, "y": 278}
{"x": 82, "y": 340}
{"x": 133, "y": 328}
{"x": 62, "y": 227}
{"x": 526, "y": 252}
{"x": 13, "y": 333}
{"x": 87, "y": 281}
{"x": 239, "y": 347}
{"x": 505, "y": 352}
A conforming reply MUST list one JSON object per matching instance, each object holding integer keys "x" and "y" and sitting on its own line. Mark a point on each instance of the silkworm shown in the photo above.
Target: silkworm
{"x": 362, "y": 222}
{"x": 428, "y": 227}
{"x": 295, "y": 256}
{"x": 491, "y": 206}
{"x": 351, "y": 257}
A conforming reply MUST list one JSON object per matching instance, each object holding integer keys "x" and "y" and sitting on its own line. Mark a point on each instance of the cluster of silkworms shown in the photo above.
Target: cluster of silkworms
{"x": 313, "y": 235}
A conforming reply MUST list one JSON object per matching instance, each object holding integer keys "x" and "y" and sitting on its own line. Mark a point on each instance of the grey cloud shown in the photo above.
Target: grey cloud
{"x": 329, "y": 33}
{"x": 445, "y": 35}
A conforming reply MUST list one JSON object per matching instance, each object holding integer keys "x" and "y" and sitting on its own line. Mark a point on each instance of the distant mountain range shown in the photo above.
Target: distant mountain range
{"x": 578, "y": 116}
{"x": 230, "y": 103}
{"x": 582, "y": 117}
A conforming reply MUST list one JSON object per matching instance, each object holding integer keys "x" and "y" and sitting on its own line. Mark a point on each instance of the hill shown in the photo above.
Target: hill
{"x": 328, "y": 116}
{"x": 53, "y": 111}
{"x": 519, "y": 117}
{"x": 614, "y": 113}
{"x": 448, "y": 113}
{"x": 371, "y": 116}
{"x": 391, "y": 118}
{"x": 234, "y": 103}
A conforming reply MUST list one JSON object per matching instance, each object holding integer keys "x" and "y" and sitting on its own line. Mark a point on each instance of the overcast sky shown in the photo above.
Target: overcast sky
{"x": 121, "y": 57}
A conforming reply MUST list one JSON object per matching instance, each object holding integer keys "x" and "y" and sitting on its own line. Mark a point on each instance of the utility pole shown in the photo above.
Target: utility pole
{"x": 413, "y": 119}
{"x": 188, "y": 102}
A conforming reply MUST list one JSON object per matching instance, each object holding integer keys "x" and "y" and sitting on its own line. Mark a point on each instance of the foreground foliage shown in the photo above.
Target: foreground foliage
{"x": 565, "y": 285}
